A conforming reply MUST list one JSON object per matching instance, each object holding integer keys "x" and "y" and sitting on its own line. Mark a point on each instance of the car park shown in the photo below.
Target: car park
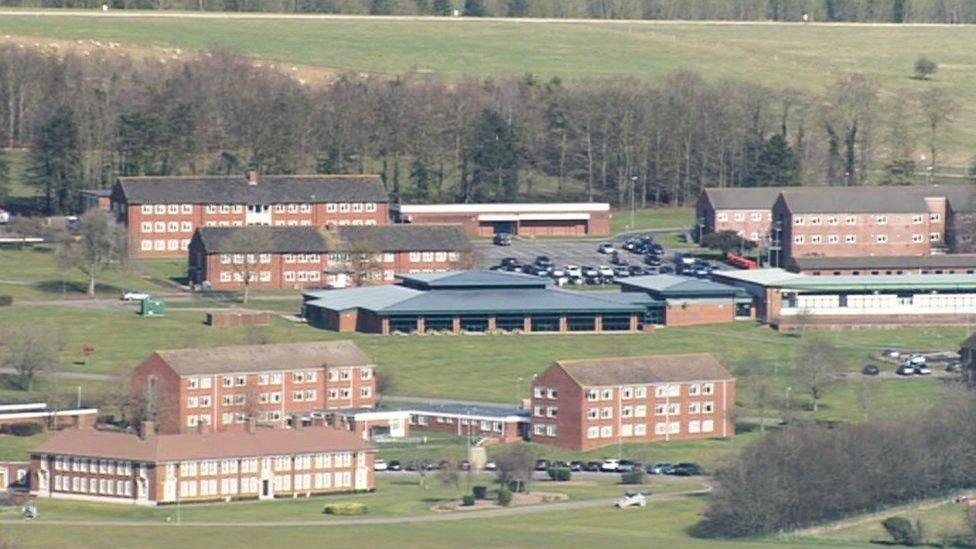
{"x": 574, "y": 271}
{"x": 379, "y": 465}
{"x": 605, "y": 271}
{"x": 626, "y": 466}
{"x": 870, "y": 370}
{"x": 135, "y": 295}
{"x": 905, "y": 369}
{"x": 610, "y": 465}
{"x": 922, "y": 370}
{"x": 577, "y": 466}
{"x": 502, "y": 239}
{"x": 686, "y": 469}
{"x": 660, "y": 468}
{"x": 631, "y": 499}
{"x": 394, "y": 465}
{"x": 606, "y": 248}
{"x": 541, "y": 464}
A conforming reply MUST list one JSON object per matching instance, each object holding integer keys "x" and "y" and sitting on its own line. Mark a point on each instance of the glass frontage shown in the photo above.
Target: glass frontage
{"x": 439, "y": 323}
{"x": 616, "y": 323}
{"x": 545, "y": 323}
{"x": 474, "y": 323}
{"x": 406, "y": 324}
{"x": 654, "y": 316}
{"x": 510, "y": 322}
{"x": 581, "y": 323}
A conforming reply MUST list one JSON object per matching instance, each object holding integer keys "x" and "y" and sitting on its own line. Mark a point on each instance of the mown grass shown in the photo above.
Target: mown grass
{"x": 654, "y": 218}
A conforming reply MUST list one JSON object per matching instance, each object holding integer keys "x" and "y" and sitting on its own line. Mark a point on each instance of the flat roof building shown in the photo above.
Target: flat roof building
{"x": 689, "y": 301}
{"x": 483, "y": 220}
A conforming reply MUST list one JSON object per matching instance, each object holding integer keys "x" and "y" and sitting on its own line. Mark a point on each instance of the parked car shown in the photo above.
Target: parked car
{"x": 615, "y": 258}
{"x": 502, "y": 239}
{"x": 543, "y": 261}
{"x": 135, "y": 295}
{"x": 636, "y": 270}
{"x": 922, "y": 370}
{"x": 380, "y": 465}
{"x": 954, "y": 366}
{"x": 594, "y": 280}
{"x": 631, "y": 499}
{"x": 870, "y": 370}
{"x": 686, "y": 469}
{"x": 606, "y": 248}
{"x": 4, "y": 216}
{"x": 509, "y": 262}
{"x": 490, "y": 466}
{"x": 660, "y": 468}
{"x": 626, "y": 466}
{"x": 610, "y": 465}
{"x": 891, "y": 353}
{"x": 621, "y": 272}
{"x": 541, "y": 464}
{"x": 605, "y": 270}
{"x": 574, "y": 271}
{"x": 394, "y": 465}
{"x": 665, "y": 269}
{"x": 575, "y": 280}
{"x": 577, "y": 466}
{"x": 411, "y": 466}
{"x": 917, "y": 359}
{"x": 559, "y": 464}
{"x": 589, "y": 270}
{"x": 652, "y": 260}
{"x": 905, "y": 369}
{"x": 593, "y": 466}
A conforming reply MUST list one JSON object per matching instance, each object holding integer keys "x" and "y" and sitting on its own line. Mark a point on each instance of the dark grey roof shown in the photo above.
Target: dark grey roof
{"x": 888, "y": 262}
{"x": 645, "y": 369}
{"x": 743, "y": 198}
{"x": 459, "y": 409}
{"x": 671, "y": 286}
{"x": 910, "y": 199}
{"x": 261, "y": 239}
{"x": 97, "y": 192}
{"x": 473, "y": 280}
{"x": 396, "y": 238}
{"x": 504, "y": 300}
{"x": 270, "y": 189}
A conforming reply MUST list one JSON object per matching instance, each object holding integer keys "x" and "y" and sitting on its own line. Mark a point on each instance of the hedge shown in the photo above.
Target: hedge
{"x": 6, "y": 300}
{"x": 22, "y": 429}
{"x": 345, "y": 509}
{"x": 480, "y": 492}
{"x": 504, "y": 497}
{"x": 467, "y": 500}
{"x": 560, "y": 473}
{"x": 632, "y": 477}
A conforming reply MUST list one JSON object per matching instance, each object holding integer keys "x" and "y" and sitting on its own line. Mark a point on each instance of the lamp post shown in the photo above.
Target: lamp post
{"x": 701, "y": 229}
{"x": 633, "y": 184}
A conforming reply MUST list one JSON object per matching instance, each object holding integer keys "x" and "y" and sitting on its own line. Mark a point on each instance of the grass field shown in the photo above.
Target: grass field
{"x": 656, "y": 218}
{"x": 940, "y": 521}
{"x": 781, "y": 55}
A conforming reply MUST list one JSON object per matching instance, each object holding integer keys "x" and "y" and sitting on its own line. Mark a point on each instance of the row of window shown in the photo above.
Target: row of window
{"x": 416, "y": 257}
{"x": 641, "y": 410}
{"x": 331, "y": 207}
{"x": 85, "y": 465}
{"x": 852, "y": 239}
{"x": 276, "y": 378}
{"x": 170, "y": 209}
{"x": 741, "y": 216}
{"x": 299, "y": 462}
{"x": 660, "y": 428}
{"x": 660, "y": 391}
{"x": 171, "y": 245}
{"x": 84, "y": 485}
{"x": 917, "y": 219}
{"x": 484, "y": 425}
{"x": 240, "y": 259}
{"x": 164, "y": 227}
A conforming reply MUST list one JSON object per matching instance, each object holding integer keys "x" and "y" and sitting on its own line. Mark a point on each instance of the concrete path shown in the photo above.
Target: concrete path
{"x": 80, "y": 376}
{"x": 433, "y": 517}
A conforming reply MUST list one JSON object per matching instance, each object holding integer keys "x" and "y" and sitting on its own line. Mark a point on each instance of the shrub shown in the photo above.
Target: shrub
{"x": 345, "y": 509}
{"x": 504, "y": 497}
{"x": 902, "y": 531}
{"x": 6, "y": 300}
{"x": 480, "y": 492}
{"x": 467, "y": 500}
{"x": 22, "y": 429}
{"x": 632, "y": 477}
{"x": 516, "y": 486}
{"x": 560, "y": 473}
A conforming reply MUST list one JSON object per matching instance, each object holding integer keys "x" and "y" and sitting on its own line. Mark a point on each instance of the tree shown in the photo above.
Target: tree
{"x": 246, "y": 246}
{"x": 4, "y": 177}
{"x": 777, "y": 165}
{"x": 900, "y": 171}
{"x": 518, "y": 8}
{"x": 385, "y": 383}
{"x": 139, "y": 137}
{"x": 422, "y": 180}
{"x": 442, "y": 7}
{"x": 492, "y": 155}
{"x": 925, "y": 68}
{"x": 30, "y": 350}
{"x": 448, "y": 475}
{"x": 938, "y": 107}
{"x": 474, "y": 8}
{"x": 815, "y": 367}
{"x": 100, "y": 245}
{"x": 727, "y": 241}
{"x": 54, "y": 162}
{"x": 904, "y": 531}
{"x": 515, "y": 464}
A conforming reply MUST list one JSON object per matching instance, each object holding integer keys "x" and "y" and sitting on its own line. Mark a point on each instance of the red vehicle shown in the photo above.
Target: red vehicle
{"x": 742, "y": 262}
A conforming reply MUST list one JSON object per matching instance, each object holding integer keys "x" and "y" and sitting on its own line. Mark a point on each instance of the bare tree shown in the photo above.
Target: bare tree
{"x": 30, "y": 350}
{"x": 516, "y": 463}
{"x": 815, "y": 367}
{"x": 448, "y": 474}
{"x": 386, "y": 382}
{"x": 101, "y": 245}
{"x": 938, "y": 107}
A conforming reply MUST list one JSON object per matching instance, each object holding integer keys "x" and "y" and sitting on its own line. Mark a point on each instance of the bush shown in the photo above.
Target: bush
{"x": 504, "y": 497}
{"x": 516, "y": 486}
{"x": 345, "y": 509}
{"x": 632, "y": 477}
{"x": 467, "y": 500}
{"x": 560, "y": 473}
{"x": 6, "y": 300}
{"x": 902, "y": 531}
{"x": 480, "y": 492}
{"x": 22, "y": 429}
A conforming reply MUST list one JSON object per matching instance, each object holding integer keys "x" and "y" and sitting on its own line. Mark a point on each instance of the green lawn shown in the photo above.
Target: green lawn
{"x": 655, "y": 218}
{"x": 939, "y": 520}
{"x": 780, "y": 55}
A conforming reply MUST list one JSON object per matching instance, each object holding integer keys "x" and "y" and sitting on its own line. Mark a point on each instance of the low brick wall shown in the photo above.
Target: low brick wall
{"x": 237, "y": 317}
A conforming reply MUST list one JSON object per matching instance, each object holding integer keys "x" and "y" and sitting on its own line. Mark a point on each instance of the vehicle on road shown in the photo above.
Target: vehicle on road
{"x": 394, "y": 465}
{"x": 610, "y": 465}
{"x": 606, "y": 248}
{"x": 870, "y": 370}
{"x": 631, "y": 499}
{"x": 380, "y": 465}
{"x": 502, "y": 239}
{"x": 135, "y": 295}
{"x": 686, "y": 469}
{"x": 891, "y": 353}
{"x": 905, "y": 369}
{"x": 660, "y": 468}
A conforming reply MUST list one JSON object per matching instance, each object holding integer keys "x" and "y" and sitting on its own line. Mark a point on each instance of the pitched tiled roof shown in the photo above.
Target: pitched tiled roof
{"x": 258, "y": 239}
{"x": 224, "y": 444}
{"x": 261, "y": 358}
{"x": 396, "y": 238}
{"x": 897, "y": 199}
{"x": 743, "y": 198}
{"x": 270, "y": 189}
{"x": 645, "y": 369}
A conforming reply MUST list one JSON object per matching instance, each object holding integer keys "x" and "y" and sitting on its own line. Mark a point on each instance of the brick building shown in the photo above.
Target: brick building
{"x": 586, "y": 404}
{"x": 493, "y": 424}
{"x": 311, "y": 257}
{"x": 222, "y": 388}
{"x": 482, "y": 220}
{"x": 151, "y": 469}
{"x": 747, "y": 211}
{"x": 684, "y": 301}
{"x": 885, "y": 265}
{"x": 162, "y": 213}
{"x": 95, "y": 198}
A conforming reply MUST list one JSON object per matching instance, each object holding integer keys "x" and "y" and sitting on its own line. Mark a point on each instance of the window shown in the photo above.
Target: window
{"x": 798, "y": 220}
{"x": 552, "y": 411}
{"x": 147, "y": 227}
{"x": 850, "y": 239}
{"x": 224, "y": 208}
{"x": 553, "y": 393}
{"x": 173, "y": 226}
{"x": 935, "y": 237}
{"x": 592, "y": 413}
{"x": 606, "y": 431}
{"x": 708, "y": 389}
{"x": 440, "y": 257}
{"x": 627, "y": 392}
{"x": 191, "y": 402}
{"x": 147, "y": 209}
{"x": 708, "y": 407}
{"x": 414, "y": 257}
{"x": 833, "y": 239}
{"x": 694, "y": 408}
{"x": 310, "y": 395}
{"x": 593, "y": 432}
{"x": 739, "y": 216}
{"x": 881, "y": 238}
{"x": 146, "y": 245}
{"x": 357, "y": 207}
{"x": 606, "y": 413}
{"x": 640, "y": 410}
{"x": 850, "y": 220}
{"x": 756, "y": 216}
{"x": 798, "y": 239}
{"x": 815, "y": 220}
{"x": 160, "y": 208}
{"x": 694, "y": 426}
{"x": 160, "y": 226}
{"x": 539, "y": 429}
{"x": 917, "y": 238}
{"x": 627, "y": 411}
{"x": 186, "y": 208}
{"x": 344, "y": 207}
{"x": 640, "y": 392}
{"x": 592, "y": 394}
{"x": 427, "y": 256}
{"x": 832, "y": 220}
{"x": 935, "y": 218}
{"x": 722, "y": 216}
{"x": 370, "y": 206}
{"x": 707, "y": 426}
{"x": 816, "y": 239}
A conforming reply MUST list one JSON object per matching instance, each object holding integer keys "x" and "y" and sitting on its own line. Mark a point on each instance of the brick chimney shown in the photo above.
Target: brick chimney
{"x": 253, "y": 177}
{"x": 147, "y": 429}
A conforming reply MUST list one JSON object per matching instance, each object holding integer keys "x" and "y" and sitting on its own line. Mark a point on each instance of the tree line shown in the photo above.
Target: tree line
{"x": 88, "y": 119}
{"x": 871, "y": 11}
